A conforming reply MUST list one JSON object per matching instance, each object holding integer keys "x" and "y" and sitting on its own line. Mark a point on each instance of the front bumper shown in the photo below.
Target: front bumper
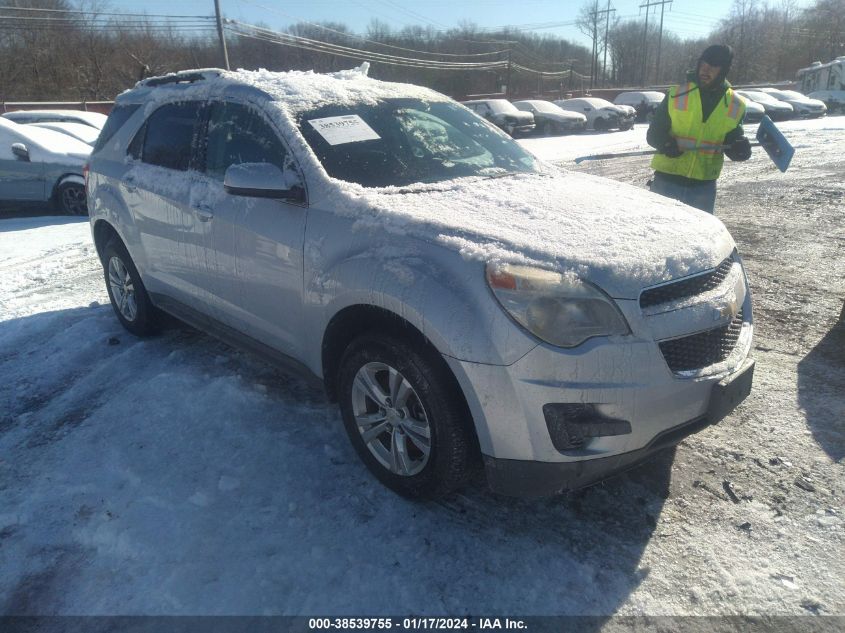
{"x": 519, "y": 478}
{"x": 623, "y": 382}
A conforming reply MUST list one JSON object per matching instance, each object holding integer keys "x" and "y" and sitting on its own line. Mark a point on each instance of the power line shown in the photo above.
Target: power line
{"x": 250, "y": 30}
{"x": 376, "y": 42}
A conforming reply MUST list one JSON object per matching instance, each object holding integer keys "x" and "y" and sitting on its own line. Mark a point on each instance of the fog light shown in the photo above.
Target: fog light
{"x": 571, "y": 425}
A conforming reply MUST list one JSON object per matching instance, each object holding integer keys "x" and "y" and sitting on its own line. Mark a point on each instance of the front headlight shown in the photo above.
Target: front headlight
{"x": 563, "y": 310}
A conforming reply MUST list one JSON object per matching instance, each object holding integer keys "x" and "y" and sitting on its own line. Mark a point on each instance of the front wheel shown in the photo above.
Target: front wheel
{"x": 71, "y": 199}
{"x": 127, "y": 293}
{"x": 404, "y": 416}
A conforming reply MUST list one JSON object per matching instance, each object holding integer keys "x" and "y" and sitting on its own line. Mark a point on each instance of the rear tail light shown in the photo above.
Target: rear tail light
{"x": 85, "y": 168}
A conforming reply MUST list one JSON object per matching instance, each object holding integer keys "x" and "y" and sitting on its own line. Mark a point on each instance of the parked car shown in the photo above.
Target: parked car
{"x": 645, "y": 102}
{"x": 462, "y": 301}
{"x": 91, "y": 119}
{"x": 79, "y": 131}
{"x": 503, "y": 114}
{"x": 833, "y": 99}
{"x": 601, "y": 114}
{"x": 551, "y": 119}
{"x": 753, "y": 111}
{"x": 38, "y": 165}
{"x": 776, "y": 110}
{"x": 803, "y": 106}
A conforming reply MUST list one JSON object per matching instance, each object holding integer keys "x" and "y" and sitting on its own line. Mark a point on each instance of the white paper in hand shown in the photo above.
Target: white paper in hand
{"x": 338, "y": 130}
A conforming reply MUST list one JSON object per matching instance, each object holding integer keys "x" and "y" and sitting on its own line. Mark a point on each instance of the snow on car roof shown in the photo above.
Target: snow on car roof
{"x": 90, "y": 118}
{"x": 635, "y": 96}
{"x": 593, "y": 101}
{"x": 80, "y": 131}
{"x": 297, "y": 91}
{"x": 46, "y": 140}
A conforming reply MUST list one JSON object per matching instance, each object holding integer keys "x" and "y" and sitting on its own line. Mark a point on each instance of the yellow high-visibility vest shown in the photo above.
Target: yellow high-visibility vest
{"x": 694, "y": 134}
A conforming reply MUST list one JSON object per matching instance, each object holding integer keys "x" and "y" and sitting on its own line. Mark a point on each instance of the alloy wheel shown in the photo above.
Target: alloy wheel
{"x": 123, "y": 289}
{"x": 391, "y": 419}
{"x": 74, "y": 201}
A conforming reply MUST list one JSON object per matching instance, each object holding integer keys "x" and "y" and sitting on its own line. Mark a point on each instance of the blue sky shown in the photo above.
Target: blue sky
{"x": 686, "y": 18}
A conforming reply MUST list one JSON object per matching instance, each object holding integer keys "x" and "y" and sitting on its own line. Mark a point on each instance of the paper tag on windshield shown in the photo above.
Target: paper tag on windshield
{"x": 338, "y": 130}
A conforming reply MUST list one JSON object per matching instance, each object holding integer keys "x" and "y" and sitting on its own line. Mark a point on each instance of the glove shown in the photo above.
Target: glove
{"x": 670, "y": 148}
{"x": 739, "y": 150}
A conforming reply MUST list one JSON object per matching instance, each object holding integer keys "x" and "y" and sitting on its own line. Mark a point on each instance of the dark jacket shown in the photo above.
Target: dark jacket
{"x": 659, "y": 131}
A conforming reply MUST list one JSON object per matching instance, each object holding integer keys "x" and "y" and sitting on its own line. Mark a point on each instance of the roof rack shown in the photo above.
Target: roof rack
{"x": 186, "y": 76}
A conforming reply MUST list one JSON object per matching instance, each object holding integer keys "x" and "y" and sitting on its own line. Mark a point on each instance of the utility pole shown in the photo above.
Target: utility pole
{"x": 508, "y": 76}
{"x": 647, "y": 6}
{"x": 607, "y": 12}
{"x": 660, "y": 39}
{"x": 594, "y": 61}
{"x": 594, "y": 66}
{"x": 220, "y": 34}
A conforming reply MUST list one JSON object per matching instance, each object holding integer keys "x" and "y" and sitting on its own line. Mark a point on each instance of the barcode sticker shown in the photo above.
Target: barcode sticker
{"x": 338, "y": 130}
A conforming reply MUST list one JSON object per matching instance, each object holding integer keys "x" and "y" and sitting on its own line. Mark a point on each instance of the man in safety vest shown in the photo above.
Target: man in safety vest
{"x": 690, "y": 128}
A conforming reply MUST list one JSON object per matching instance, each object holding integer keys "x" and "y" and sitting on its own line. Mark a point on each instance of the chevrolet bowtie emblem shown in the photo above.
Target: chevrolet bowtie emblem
{"x": 726, "y": 311}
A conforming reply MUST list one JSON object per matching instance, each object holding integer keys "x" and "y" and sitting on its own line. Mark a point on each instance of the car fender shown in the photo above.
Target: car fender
{"x": 445, "y": 297}
{"x": 106, "y": 204}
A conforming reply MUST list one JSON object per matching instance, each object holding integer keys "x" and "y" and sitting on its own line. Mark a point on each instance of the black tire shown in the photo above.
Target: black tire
{"x": 599, "y": 125}
{"x": 71, "y": 199}
{"x": 453, "y": 450}
{"x": 146, "y": 318}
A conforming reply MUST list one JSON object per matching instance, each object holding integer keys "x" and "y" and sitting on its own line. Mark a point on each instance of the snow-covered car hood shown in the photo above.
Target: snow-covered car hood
{"x": 617, "y": 236}
{"x": 565, "y": 116}
{"x": 519, "y": 115}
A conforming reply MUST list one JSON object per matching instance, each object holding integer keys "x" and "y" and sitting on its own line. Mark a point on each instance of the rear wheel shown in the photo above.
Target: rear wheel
{"x": 404, "y": 416}
{"x": 600, "y": 125}
{"x": 127, "y": 293}
{"x": 71, "y": 199}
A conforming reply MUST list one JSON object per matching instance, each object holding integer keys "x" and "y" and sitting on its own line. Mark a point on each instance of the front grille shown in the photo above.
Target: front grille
{"x": 700, "y": 350}
{"x": 686, "y": 287}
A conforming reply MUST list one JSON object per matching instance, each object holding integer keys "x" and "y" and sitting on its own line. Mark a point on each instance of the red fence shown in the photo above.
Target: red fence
{"x": 103, "y": 107}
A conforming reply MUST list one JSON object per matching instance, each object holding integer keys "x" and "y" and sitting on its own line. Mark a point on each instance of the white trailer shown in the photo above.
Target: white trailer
{"x": 818, "y": 76}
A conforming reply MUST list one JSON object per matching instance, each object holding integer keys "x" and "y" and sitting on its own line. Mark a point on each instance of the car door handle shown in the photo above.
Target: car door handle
{"x": 204, "y": 212}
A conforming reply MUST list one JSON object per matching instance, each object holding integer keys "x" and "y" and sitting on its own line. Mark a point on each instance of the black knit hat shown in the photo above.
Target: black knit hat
{"x": 720, "y": 55}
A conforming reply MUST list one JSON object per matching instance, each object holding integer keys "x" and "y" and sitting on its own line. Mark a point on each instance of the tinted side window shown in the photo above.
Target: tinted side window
{"x": 170, "y": 133}
{"x": 117, "y": 117}
{"x": 238, "y": 134}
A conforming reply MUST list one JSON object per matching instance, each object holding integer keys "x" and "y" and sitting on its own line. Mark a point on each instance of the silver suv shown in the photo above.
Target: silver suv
{"x": 465, "y": 304}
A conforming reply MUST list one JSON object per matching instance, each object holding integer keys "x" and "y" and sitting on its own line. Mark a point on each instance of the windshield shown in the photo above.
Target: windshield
{"x": 762, "y": 97}
{"x": 791, "y": 94}
{"x": 545, "y": 106}
{"x": 500, "y": 106}
{"x": 399, "y": 142}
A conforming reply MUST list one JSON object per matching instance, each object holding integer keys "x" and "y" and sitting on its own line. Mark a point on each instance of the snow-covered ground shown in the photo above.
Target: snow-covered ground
{"x": 178, "y": 476}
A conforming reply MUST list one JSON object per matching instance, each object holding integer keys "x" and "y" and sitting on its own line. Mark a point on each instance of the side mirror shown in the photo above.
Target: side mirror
{"x": 20, "y": 151}
{"x": 263, "y": 180}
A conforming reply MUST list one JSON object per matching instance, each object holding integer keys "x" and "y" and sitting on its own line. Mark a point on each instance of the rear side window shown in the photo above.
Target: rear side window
{"x": 117, "y": 117}
{"x": 238, "y": 134}
{"x": 169, "y": 136}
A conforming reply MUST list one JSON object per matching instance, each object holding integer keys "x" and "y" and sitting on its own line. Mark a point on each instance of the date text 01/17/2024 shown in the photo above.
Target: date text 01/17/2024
{"x": 415, "y": 623}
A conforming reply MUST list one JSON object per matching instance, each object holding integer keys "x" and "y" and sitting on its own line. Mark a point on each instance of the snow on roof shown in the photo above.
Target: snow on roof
{"x": 44, "y": 144}
{"x": 593, "y": 101}
{"x": 636, "y": 96}
{"x": 89, "y": 118}
{"x": 298, "y": 91}
{"x": 79, "y": 131}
